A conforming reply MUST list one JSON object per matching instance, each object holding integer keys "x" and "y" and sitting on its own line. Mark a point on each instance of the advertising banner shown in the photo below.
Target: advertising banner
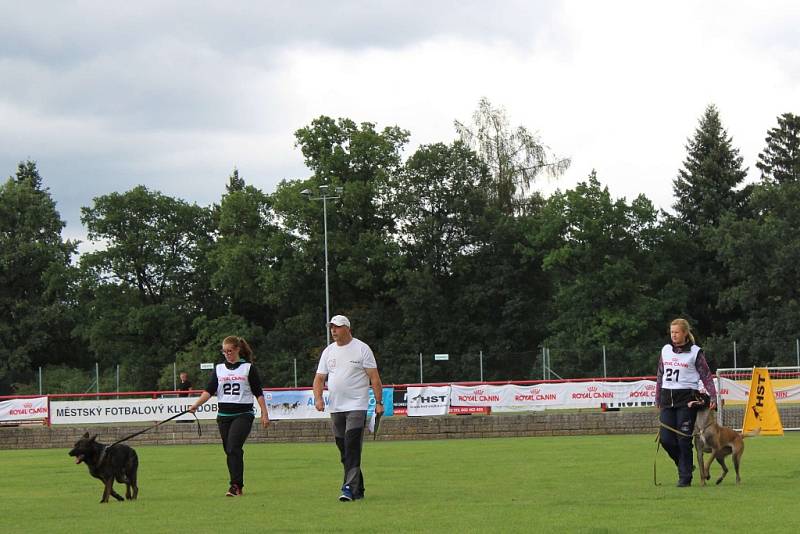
{"x": 429, "y": 400}
{"x": 388, "y": 402}
{"x": 534, "y": 398}
{"x": 738, "y": 391}
{"x": 539, "y": 396}
{"x": 126, "y": 410}
{"x": 552, "y": 396}
{"x": 280, "y": 405}
{"x": 481, "y": 395}
{"x": 294, "y": 405}
{"x": 300, "y": 404}
{"x": 593, "y": 394}
{"x": 23, "y": 409}
{"x": 400, "y": 402}
{"x": 732, "y": 390}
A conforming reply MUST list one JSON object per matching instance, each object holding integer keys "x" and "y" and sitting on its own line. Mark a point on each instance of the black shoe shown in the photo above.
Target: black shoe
{"x": 234, "y": 491}
{"x": 684, "y": 483}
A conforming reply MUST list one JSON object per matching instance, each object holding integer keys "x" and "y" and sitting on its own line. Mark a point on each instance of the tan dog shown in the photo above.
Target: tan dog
{"x": 720, "y": 441}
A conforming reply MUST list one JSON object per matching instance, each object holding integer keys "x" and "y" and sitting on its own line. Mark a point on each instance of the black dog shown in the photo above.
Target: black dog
{"x": 118, "y": 462}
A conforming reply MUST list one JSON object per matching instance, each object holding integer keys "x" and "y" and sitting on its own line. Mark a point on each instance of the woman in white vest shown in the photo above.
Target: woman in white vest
{"x": 681, "y": 368}
{"x": 236, "y": 383}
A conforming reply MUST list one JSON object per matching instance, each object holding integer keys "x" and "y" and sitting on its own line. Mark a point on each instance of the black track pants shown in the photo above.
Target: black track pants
{"x": 679, "y": 448}
{"x": 234, "y": 432}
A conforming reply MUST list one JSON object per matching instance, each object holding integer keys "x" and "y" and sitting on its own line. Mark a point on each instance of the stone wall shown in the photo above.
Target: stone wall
{"x": 552, "y": 423}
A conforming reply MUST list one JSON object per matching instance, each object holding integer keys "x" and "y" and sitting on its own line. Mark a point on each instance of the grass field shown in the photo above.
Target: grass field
{"x": 553, "y": 484}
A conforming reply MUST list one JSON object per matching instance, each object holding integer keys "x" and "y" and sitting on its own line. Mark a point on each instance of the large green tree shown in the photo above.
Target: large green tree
{"x": 612, "y": 287}
{"x": 36, "y": 277}
{"x": 362, "y": 254}
{"x": 439, "y": 202}
{"x": 143, "y": 289}
{"x": 762, "y": 254}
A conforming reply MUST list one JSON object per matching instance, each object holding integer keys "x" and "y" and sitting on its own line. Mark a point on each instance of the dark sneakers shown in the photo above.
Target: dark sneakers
{"x": 346, "y": 495}
{"x": 234, "y": 491}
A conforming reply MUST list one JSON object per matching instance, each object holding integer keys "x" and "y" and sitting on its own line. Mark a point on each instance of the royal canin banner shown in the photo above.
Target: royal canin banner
{"x": 429, "y": 400}
{"x": 23, "y": 409}
{"x": 559, "y": 395}
{"x": 481, "y": 395}
{"x": 593, "y": 394}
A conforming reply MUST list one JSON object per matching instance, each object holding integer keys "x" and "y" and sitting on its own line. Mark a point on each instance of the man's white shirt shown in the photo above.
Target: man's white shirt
{"x": 348, "y": 383}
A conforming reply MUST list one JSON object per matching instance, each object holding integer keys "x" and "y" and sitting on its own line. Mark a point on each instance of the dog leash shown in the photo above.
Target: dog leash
{"x": 126, "y": 438}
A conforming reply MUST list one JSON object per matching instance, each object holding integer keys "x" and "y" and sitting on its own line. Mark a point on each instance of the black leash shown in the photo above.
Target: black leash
{"x": 126, "y": 438}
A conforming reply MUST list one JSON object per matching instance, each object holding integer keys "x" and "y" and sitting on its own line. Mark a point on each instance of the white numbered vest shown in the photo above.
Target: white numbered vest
{"x": 233, "y": 385}
{"x": 680, "y": 371}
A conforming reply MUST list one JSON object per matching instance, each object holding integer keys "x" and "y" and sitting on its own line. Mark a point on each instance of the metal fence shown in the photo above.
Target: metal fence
{"x": 539, "y": 363}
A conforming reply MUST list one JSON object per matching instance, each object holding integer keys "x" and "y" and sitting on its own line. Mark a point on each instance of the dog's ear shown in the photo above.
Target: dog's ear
{"x": 86, "y": 435}
{"x": 93, "y": 437}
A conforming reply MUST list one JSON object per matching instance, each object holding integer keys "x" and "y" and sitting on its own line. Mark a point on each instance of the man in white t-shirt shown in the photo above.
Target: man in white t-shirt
{"x": 350, "y": 368}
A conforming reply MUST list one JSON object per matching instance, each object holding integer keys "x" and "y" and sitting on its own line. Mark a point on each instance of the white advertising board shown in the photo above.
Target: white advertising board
{"x": 429, "y": 400}
{"x": 23, "y": 409}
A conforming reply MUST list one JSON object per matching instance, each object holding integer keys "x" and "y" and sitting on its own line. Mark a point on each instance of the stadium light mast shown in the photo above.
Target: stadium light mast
{"x": 325, "y": 194}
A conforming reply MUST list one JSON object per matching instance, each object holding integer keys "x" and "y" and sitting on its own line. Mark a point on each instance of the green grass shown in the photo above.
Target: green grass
{"x": 574, "y": 484}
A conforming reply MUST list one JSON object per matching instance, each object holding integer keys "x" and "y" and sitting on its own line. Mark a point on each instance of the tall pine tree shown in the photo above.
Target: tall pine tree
{"x": 706, "y": 191}
{"x": 780, "y": 161}
{"x": 705, "y": 188}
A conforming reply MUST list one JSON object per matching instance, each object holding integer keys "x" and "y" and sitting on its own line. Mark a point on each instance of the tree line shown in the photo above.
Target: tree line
{"x": 451, "y": 250}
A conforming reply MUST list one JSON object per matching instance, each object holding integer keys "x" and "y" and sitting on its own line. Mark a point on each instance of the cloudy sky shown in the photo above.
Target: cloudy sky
{"x": 175, "y": 94}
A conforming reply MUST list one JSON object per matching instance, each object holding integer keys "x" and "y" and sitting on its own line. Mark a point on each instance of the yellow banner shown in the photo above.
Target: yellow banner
{"x": 762, "y": 415}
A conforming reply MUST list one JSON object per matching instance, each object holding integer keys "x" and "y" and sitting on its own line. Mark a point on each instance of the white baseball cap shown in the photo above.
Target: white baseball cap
{"x": 340, "y": 320}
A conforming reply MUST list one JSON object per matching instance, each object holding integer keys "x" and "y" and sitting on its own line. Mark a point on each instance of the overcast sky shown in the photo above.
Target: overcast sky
{"x": 173, "y": 95}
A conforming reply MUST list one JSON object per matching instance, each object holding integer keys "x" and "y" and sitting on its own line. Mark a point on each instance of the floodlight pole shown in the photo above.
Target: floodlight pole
{"x": 327, "y": 287}
{"x": 324, "y": 197}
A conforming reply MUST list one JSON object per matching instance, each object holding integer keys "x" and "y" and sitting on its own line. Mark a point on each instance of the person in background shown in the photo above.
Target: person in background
{"x": 681, "y": 367}
{"x": 350, "y": 368}
{"x": 184, "y": 385}
{"x": 236, "y": 384}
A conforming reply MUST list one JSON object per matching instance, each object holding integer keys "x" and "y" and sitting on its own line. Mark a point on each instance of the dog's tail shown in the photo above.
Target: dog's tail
{"x": 751, "y": 433}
